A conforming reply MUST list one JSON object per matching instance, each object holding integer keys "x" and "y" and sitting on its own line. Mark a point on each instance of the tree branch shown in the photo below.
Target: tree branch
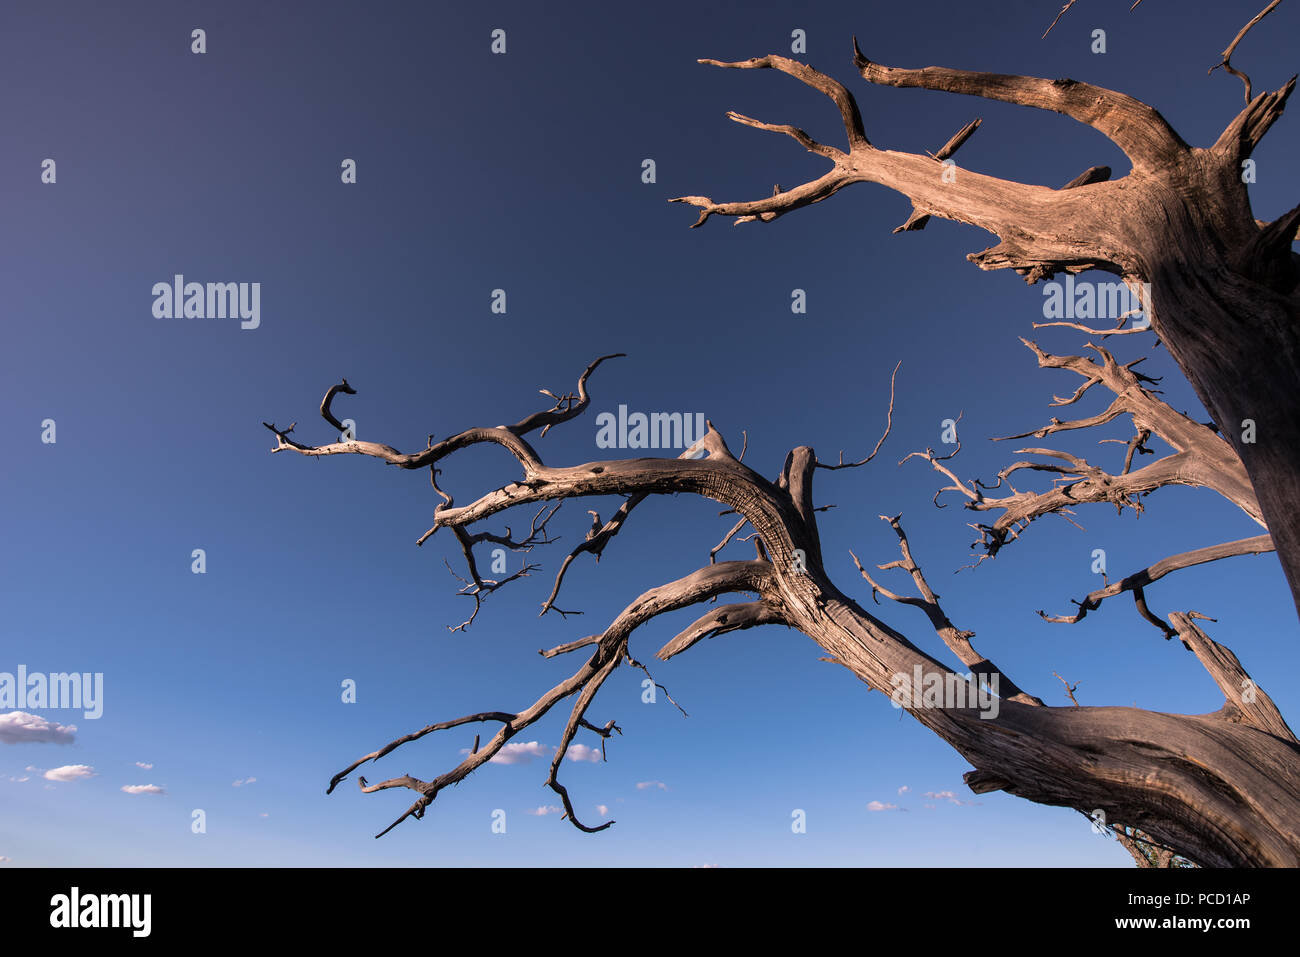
{"x": 958, "y": 641}
{"x": 1247, "y": 703}
{"x": 1027, "y": 218}
{"x": 611, "y": 648}
{"x": 1226, "y": 56}
{"x": 720, "y": 621}
{"x": 1076, "y": 757}
{"x": 889, "y": 424}
{"x": 1140, "y": 131}
{"x": 1137, "y": 581}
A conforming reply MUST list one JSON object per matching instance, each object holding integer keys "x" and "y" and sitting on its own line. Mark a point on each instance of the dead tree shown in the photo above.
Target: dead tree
{"x": 1220, "y": 789}
{"x": 1224, "y": 286}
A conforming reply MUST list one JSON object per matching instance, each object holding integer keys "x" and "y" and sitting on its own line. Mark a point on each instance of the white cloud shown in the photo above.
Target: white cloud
{"x": 242, "y": 781}
{"x": 602, "y": 810}
{"x": 263, "y": 814}
{"x": 877, "y": 806}
{"x": 647, "y": 785}
{"x": 20, "y": 780}
{"x": 580, "y": 752}
{"x": 142, "y": 789}
{"x": 546, "y": 809}
{"x": 904, "y": 789}
{"x": 70, "y": 772}
{"x": 5, "y": 860}
{"x": 523, "y": 752}
{"x": 141, "y": 764}
{"x": 19, "y": 727}
{"x": 519, "y": 753}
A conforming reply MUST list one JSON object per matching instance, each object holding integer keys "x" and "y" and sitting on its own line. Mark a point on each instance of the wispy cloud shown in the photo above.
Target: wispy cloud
{"x": 70, "y": 772}
{"x": 5, "y": 860}
{"x": 648, "y": 785}
{"x": 240, "y": 782}
{"x": 878, "y": 806}
{"x": 950, "y": 797}
{"x": 142, "y": 789}
{"x": 141, "y": 764}
{"x": 602, "y": 810}
{"x": 545, "y": 810}
{"x": 904, "y": 789}
{"x": 19, "y": 727}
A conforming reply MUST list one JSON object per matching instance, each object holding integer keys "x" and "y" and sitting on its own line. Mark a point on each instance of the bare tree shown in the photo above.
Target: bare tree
{"x": 1224, "y": 296}
{"x": 1219, "y": 789}
{"x": 1215, "y": 789}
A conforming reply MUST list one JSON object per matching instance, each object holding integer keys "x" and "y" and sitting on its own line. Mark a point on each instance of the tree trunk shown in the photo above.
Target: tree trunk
{"x": 1221, "y": 793}
{"x": 1238, "y": 343}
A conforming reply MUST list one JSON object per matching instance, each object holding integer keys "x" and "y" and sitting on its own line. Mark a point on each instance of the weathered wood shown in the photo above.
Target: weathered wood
{"x": 1220, "y": 789}
{"x": 1246, "y": 701}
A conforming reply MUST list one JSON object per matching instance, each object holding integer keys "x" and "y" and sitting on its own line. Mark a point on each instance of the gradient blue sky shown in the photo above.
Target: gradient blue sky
{"x": 522, "y": 172}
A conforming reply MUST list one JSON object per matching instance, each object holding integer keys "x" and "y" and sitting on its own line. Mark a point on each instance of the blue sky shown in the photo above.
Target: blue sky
{"x": 522, "y": 172}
